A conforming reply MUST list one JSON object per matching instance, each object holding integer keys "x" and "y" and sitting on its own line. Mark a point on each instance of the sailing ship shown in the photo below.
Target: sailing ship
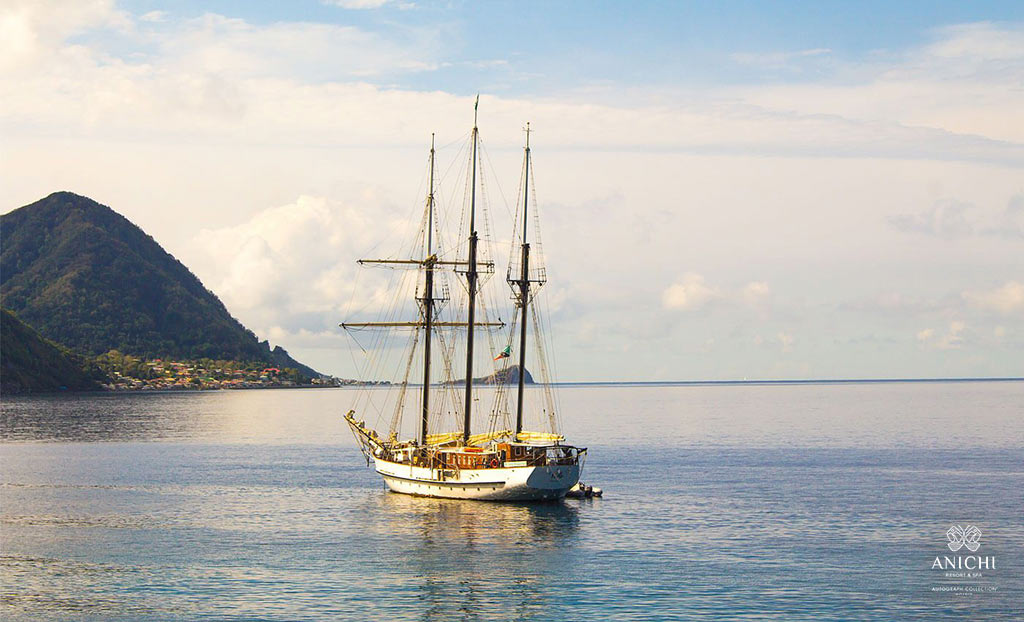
{"x": 505, "y": 461}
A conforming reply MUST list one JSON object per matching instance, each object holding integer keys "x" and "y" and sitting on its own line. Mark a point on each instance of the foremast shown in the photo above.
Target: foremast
{"x": 428, "y": 320}
{"x": 428, "y": 263}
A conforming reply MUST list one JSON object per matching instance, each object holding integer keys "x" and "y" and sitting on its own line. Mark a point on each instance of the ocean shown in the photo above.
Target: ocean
{"x": 731, "y": 502}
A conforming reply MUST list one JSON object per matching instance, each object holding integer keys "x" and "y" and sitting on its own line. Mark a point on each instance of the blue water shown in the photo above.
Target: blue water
{"x": 795, "y": 502}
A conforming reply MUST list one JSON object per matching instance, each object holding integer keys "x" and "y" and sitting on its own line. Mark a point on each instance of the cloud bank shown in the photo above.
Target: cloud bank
{"x": 843, "y": 216}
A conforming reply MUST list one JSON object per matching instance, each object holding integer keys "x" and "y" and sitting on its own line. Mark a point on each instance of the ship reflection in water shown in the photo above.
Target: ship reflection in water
{"x": 461, "y": 559}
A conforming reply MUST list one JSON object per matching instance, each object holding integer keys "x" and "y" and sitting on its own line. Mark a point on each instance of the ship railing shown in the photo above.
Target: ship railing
{"x": 367, "y": 440}
{"x": 570, "y": 455}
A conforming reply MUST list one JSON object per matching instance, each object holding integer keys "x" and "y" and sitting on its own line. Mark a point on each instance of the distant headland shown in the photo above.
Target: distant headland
{"x": 91, "y": 301}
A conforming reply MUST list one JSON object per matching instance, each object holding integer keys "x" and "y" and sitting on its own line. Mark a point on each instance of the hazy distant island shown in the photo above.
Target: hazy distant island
{"x": 509, "y": 375}
{"x": 92, "y": 302}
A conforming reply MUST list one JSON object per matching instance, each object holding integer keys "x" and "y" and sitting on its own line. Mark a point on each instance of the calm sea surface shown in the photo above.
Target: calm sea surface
{"x": 800, "y": 502}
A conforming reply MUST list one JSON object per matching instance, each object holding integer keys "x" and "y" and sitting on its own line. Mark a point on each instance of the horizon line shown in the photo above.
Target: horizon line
{"x": 735, "y": 382}
{"x": 794, "y": 381}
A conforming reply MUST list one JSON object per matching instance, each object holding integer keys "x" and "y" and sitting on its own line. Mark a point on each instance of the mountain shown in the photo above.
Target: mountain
{"x": 30, "y": 363}
{"x": 86, "y": 277}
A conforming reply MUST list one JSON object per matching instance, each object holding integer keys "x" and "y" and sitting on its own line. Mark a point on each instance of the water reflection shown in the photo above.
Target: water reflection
{"x": 99, "y": 417}
{"x": 482, "y": 523}
{"x": 859, "y": 415}
{"x": 277, "y": 416}
{"x": 476, "y": 559}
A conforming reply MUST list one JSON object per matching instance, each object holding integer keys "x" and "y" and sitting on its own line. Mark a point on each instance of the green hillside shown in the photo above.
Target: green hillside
{"x": 30, "y": 363}
{"x": 87, "y": 278}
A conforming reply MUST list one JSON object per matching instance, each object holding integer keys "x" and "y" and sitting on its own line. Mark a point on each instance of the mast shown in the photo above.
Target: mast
{"x": 524, "y": 286}
{"x": 428, "y": 300}
{"x": 471, "y": 276}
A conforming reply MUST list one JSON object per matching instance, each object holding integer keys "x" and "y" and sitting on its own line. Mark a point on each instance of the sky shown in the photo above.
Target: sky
{"x": 727, "y": 190}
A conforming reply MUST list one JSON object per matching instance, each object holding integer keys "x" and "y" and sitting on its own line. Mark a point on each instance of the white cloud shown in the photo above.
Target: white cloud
{"x": 755, "y": 293}
{"x": 297, "y": 81}
{"x": 953, "y": 219}
{"x": 32, "y": 33}
{"x": 689, "y": 293}
{"x": 154, "y": 16}
{"x": 267, "y": 73}
{"x": 966, "y": 82}
{"x": 358, "y": 4}
{"x": 946, "y": 219}
{"x": 954, "y": 336}
{"x": 190, "y": 123}
{"x": 1010, "y": 222}
{"x": 1007, "y": 299}
{"x": 298, "y": 50}
{"x": 979, "y": 43}
{"x": 779, "y": 60}
{"x": 692, "y": 292}
{"x": 292, "y": 261}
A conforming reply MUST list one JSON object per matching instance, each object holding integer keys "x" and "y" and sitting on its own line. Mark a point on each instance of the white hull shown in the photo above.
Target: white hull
{"x": 525, "y": 483}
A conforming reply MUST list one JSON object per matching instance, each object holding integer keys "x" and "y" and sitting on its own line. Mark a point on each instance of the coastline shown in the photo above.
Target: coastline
{"x": 582, "y": 384}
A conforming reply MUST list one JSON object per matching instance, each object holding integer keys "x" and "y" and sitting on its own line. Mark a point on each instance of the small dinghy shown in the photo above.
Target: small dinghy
{"x": 583, "y": 491}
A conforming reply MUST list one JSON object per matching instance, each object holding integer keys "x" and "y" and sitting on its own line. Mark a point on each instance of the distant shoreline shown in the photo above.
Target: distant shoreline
{"x": 700, "y": 383}
{"x": 686, "y": 383}
{"x": 597, "y": 384}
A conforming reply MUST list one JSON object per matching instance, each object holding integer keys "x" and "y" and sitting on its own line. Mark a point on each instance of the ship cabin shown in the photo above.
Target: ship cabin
{"x": 533, "y": 449}
{"x": 496, "y": 455}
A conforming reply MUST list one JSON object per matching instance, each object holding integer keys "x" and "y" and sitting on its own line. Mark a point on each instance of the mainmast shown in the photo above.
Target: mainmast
{"x": 428, "y": 299}
{"x": 471, "y": 277}
{"x": 524, "y": 286}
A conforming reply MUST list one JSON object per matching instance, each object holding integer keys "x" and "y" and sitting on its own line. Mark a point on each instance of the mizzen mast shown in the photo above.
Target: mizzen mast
{"x": 471, "y": 279}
